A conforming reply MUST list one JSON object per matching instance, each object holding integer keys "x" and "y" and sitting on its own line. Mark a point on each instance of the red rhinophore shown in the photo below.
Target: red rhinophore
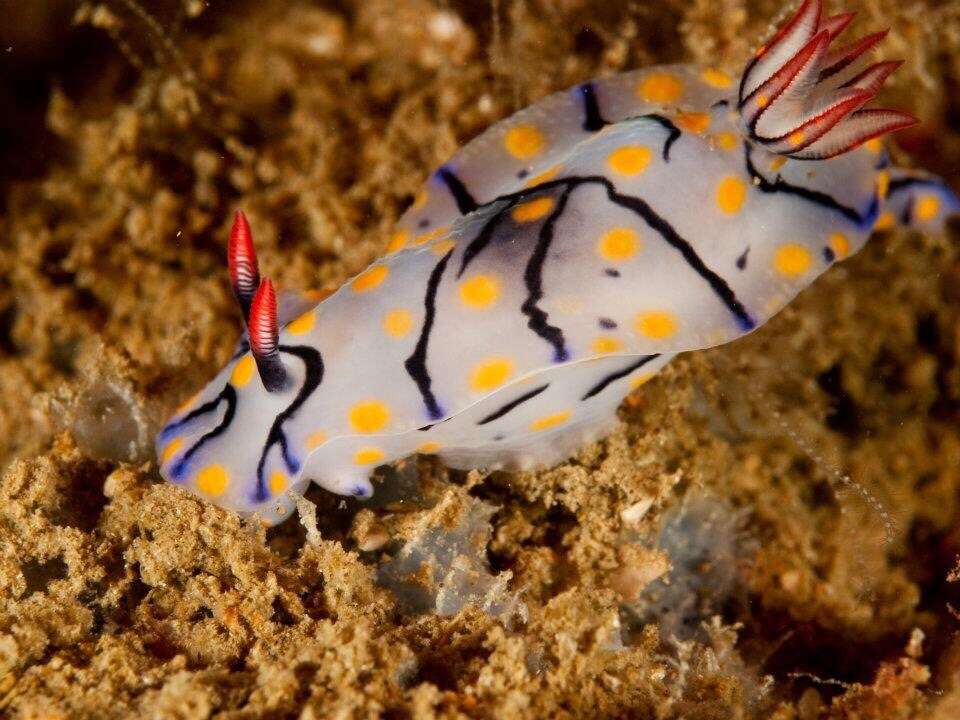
{"x": 242, "y": 262}
{"x": 262, "y": 323}
{"x": 264, "y": 333}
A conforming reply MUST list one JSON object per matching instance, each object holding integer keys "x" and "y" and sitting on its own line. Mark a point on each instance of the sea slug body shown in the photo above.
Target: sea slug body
{"x": 557, "y": 262}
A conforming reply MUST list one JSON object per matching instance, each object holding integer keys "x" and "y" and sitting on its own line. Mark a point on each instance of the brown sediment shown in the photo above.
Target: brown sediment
{"x": 121, "y": 596}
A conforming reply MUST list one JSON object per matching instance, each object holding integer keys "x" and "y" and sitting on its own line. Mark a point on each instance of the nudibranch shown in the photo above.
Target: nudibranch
{"x": 554, "y": 264}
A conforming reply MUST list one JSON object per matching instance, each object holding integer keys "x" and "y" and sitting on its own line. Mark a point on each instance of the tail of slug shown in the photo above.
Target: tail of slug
{"x": 803, "y": 99}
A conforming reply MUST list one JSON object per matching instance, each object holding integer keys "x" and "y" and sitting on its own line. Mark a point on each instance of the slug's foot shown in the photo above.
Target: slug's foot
{"x": 352, "y": 484}
{"x": 916, "y": 200}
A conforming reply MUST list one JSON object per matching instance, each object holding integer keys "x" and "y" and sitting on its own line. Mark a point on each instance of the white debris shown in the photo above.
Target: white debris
{"x": 444, "y": 26}
{"x": 443, "y": 567}
{"x": 308, "y": 517}
{"x": 701, "y": 538}
{"x": 634, "y": 514}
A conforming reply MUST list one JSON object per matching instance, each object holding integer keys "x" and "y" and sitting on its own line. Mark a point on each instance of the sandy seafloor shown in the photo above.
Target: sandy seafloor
{"x": 454, "y": 595}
